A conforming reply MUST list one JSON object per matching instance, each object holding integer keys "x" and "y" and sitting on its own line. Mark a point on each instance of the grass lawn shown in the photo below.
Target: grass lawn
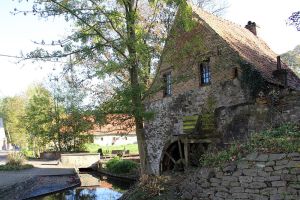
{"x": 93, "y": 148}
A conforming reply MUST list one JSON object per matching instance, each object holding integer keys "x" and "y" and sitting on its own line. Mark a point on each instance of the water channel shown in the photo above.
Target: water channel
{"x": 94, "y": 186}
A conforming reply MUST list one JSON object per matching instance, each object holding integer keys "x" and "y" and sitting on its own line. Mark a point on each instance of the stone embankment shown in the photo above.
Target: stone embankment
{"x": 257, "y": 176}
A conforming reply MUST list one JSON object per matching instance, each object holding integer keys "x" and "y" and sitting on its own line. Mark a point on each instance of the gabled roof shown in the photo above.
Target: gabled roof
{"x": 116, "y": 124}
{"x": 250, "y": 47}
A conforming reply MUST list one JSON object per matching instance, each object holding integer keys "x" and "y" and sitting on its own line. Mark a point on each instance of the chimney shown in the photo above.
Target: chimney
{"x": 280, "y": 73}
{"x": 251, "y": 26}
{"x": 278, "y": 62}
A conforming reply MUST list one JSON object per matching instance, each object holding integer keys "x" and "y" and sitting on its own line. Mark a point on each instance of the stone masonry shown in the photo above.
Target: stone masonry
{"x": 258, "y": 176}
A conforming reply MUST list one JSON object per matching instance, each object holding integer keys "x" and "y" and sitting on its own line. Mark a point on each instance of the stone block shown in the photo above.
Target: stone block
{"x": 278, "y": 183}
{"x": 268, "y": 169}
{"x": 234, "y": 184}
{"x": 270, "y": 163}
{"x": 259, "y": 179}
{"x": 252, "y": 156}
{"x": 288, "y": 177}
{"x": 237, "y": 189}
{"x": 245, "y": 179}
{"x": 263, "y": 174}
{"x": 257, "y": 185}
{"x": 258, "y": 197}
{"x": 252, "y": 191}
{"x": 243, "y": 165}
{"x": 240, "y": 195}
{"x": 250, "y": 172}
{"x": 282, "y": 162}
{"x": 273, "y": 157}
{"x": 295, "y": 171}
{"x": 262, "y": 158}
{"x": 274, "y": 178}
{"x": 229, "y": 178}
{"x": 215, "y": 180}
{"x": 237, "y": 173}
{"x": 205, "y": 184}
{"x": 293, "y": 155}
{"x": 294, "y": 185}
{"x": 268, "y": 191}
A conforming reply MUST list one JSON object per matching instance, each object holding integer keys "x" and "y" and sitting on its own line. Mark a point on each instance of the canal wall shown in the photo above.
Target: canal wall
{"x": 258, "y": 176}
{"x": 80, "y": 160}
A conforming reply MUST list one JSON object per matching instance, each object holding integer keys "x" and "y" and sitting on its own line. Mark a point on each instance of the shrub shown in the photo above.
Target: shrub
{"x": 119, "y": 166}
{"x": 28, "y": 153}
{"x": 15, "y": 159}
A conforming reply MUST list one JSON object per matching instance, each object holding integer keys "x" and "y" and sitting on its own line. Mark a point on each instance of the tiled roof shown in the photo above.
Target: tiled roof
{"x": 250, "y": 47}
{"x": 115, "y": 125}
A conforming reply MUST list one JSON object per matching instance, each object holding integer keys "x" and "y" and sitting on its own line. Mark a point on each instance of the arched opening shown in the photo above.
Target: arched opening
{"x": 179, "y": 155}
{"x": 173, "y": 157}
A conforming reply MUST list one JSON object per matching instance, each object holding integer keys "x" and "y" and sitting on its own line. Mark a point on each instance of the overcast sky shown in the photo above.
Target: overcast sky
{"x": 18, "y": 32}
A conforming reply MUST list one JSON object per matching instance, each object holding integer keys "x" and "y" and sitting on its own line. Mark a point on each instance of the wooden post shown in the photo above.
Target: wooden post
{"x": 186, "y": 153}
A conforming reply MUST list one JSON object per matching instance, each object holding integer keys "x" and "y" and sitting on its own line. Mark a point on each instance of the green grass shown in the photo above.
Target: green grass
{"x": 93, "y": 148}
{"x": 14, "y": 167}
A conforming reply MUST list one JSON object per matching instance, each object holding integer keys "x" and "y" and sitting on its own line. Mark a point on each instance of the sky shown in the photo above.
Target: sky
{"x": 17, "y": 33}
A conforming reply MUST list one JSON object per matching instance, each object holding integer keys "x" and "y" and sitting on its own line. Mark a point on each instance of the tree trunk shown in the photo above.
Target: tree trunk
{"x": 137, "y": 106}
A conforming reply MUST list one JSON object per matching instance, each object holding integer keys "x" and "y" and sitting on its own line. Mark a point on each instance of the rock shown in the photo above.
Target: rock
{"x": 273, "y": 157}
{"x": 243, "y": 165}
{"x": 278, "y": 183}
{"x": 237, "y": 189}
{"x": 273, "y": 178}
{"x": 245, "y": 179}
{"x": 250, "y": 172}
{"x": 251, "y": 156}
{"x": 257, "y": 185}
{"x": 262, "y": 158}
{"x": 240, "y": 195}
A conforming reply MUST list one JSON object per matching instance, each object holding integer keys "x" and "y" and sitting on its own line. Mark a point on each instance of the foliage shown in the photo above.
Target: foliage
{"x": 15, "y": 159}
{"x": 285, "y": 138}
{"x": 119, "y": 166}
{"x": 292, "y": 59}
{"x": 12, "y": 110}
{"x": 28, "y": 153}
{"x": 294, "y": 20}
{"x": 251, "y": 79}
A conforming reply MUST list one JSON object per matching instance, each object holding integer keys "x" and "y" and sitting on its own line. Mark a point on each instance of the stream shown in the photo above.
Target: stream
{"x": 94, "y": 186}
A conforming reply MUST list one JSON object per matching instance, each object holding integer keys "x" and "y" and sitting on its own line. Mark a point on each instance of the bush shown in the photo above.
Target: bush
{"x": 119, "y": 166}
{"x": 28, "y": 153}
{"x": 15, "y": 159}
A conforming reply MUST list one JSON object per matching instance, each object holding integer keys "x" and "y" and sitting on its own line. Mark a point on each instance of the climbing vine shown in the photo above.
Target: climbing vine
{"x": 252, "y": 79}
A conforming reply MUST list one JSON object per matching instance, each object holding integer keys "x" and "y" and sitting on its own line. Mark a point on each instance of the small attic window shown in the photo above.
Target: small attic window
{"x": 167, "y": 84}
{"x": 205, "y": 74}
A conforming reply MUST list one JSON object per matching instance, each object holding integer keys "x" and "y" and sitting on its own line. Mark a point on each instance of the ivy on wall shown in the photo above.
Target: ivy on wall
{"x": 252, "y": 79}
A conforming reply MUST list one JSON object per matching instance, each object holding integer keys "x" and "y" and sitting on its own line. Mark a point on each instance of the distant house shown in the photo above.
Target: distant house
{"x": 3, "y": 140}
{"x": 118, "y": 130}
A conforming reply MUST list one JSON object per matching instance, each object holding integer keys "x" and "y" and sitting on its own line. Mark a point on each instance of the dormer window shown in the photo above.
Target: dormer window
{"x": 167, "y": 84}
{"x": 205, "y": 75}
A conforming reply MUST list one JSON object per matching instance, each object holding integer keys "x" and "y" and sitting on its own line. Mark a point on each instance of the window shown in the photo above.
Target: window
{"x": 167, "y": 84}
{"x": 205, "y": 76}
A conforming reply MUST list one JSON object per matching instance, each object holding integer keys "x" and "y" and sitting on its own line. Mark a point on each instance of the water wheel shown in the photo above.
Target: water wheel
{"x": 173, "y": 157}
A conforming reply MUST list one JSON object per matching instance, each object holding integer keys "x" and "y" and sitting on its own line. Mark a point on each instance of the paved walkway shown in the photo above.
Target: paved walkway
{"x": 41, "y": 167}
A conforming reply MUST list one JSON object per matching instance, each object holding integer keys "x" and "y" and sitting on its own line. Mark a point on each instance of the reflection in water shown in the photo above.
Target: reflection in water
{"x": 85, "y": 194}
{"x": 96, "y": 187}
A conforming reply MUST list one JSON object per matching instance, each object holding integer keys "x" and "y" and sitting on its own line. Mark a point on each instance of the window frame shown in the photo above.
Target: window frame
{"x": 204, "y": 73}
{"x": 167, "y": 84}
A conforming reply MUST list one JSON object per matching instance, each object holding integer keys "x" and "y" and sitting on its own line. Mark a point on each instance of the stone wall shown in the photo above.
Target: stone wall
{"x": 257, "y": 176}
{"x": 80, "y": 160}
{"x": 235, "y": 116}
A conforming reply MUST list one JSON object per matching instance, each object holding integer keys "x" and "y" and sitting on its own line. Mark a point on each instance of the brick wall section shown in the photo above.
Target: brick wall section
{"x": 257, "y": 176}
{"x": 185, "y": 51}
